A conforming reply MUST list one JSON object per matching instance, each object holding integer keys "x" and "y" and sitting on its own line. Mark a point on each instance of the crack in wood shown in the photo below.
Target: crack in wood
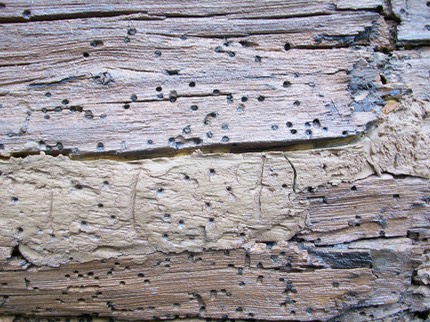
{"x": 61, "y": 81}
{"x": 51, "y": 212}
{"x": 294, "y": 173}
{"x": 260, "y": 184}
{"x": 133, "y": 199}
{"x": 69, "y": 16}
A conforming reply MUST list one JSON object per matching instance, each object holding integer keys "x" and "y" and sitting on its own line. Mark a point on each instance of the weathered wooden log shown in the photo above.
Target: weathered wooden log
{"x": 249, "y": 160}
{"x": 214, "y": 78}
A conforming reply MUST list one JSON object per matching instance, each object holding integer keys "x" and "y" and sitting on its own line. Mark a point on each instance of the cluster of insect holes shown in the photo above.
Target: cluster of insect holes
{"x": 356, "y": 222}
{"x": 181, "y": 222}
{"x": 159, "y": 191}
{"x": 173, "y": 97}
{"x": 76, "y": 275}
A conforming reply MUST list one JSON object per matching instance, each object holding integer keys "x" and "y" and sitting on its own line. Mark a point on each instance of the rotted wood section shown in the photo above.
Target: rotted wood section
{"x": 261, "y": 160}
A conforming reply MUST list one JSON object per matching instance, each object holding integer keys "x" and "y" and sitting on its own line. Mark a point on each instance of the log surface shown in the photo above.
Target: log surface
{"x": 253, "y": 160}
{"x": 159, "y": 80}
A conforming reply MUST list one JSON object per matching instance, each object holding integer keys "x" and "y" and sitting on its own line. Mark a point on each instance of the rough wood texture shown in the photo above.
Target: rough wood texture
{"x": 165, "y": 205}
{"x": 21, "y": 10}
{"x": 213, "y": 79}
{"x": 226, "y": 202}
{"x": 368, "y": 209}
{"x": 414, "y": 25}
{"x": 250, "y": 160}
{"x": 234, "y": 284}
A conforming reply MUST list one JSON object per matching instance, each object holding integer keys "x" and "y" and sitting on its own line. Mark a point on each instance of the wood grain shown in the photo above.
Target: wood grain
{"x": 21, "y": 10}
{"x": 233, "y": 284}
{"x": 183, "y": 83}
{"x": 252, "y": 160}
{"x": 368, "y": 209}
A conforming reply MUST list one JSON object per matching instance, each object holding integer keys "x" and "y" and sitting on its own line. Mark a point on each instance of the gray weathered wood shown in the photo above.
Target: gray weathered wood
{"x": 22, "y": 10}
{"x": 234, "y": 63}
{"x": 414, "y": 25}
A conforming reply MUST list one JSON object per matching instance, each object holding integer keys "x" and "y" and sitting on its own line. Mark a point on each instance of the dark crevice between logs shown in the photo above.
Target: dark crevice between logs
{"x": 172, "y": 151}
{"x": 30, "y": 17}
